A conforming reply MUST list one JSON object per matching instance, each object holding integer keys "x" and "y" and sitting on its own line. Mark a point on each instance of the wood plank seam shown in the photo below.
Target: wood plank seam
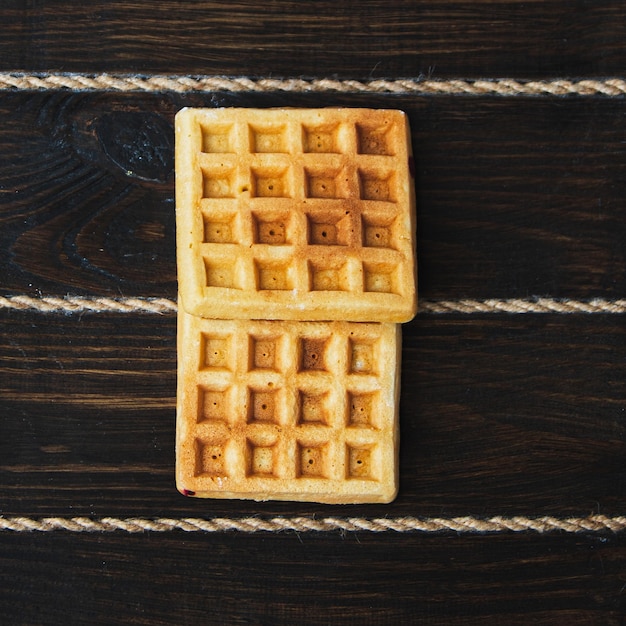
{"x": 464, "y": 525}
{"x": 18, "y": 81}
{"x": 83, "y": 304}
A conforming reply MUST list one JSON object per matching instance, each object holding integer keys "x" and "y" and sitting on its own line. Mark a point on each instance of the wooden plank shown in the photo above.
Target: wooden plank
{"x": 282, "y": 578}
{"x": 517, "y": 415}
{"x": 516, "y": 197}
{"x": 459, "y": 38}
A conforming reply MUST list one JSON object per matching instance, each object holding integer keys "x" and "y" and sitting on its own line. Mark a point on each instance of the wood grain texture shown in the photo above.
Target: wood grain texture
{"x": 368, "y": 39}
{"x": 284, "y": 579}
{"x": 516, "y": 197}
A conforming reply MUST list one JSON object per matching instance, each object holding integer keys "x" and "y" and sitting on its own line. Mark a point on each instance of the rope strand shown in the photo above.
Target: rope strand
{"x": 462, "y": 525}
{"x": 80, "y": 304}
{"x": 21, "y": 81}
{"x": 524, "y": 305}
{"x": 84, "y": 304}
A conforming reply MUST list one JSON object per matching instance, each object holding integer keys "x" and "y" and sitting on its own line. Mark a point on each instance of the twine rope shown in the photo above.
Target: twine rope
{"x": 525, "y": 305}
{"x": 18, "y": 81}
{"x": 84, "y": 304}
{"x": 463, "y": 525}
{"x": 81, "y": 304}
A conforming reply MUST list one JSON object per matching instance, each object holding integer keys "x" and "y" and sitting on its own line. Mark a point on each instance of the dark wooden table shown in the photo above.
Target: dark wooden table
{"x": 506, "y": 418}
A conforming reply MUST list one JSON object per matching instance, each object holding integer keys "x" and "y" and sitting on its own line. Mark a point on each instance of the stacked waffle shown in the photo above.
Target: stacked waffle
{"x": 296, "y": 265}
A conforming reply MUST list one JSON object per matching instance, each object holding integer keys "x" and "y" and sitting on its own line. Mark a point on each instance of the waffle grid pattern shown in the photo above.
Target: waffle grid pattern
{"x": 288, "y": 410}
{"x": 292, "y": 210}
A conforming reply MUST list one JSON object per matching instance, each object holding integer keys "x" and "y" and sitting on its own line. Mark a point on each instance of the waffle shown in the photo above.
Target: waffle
{"x": 284, "y": 410}
{"x": 295, "y": 214}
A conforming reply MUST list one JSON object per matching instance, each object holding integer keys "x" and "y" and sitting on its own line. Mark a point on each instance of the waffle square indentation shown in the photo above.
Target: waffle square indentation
{"x": 359, "y": 462}
{"x": 271, "y": 228}
{"x": 218, "y": 182}
{"x": 210, "y": 459}
{"x": 328, "y": 276}
{"x": 264, "y": 353}
{"x": 380, "y": 278}
{"x": 270, "y": 182}
{"x": 263, "y": 406}
{"x": 273, "y": 276}
{"x": 216, "y": 352}
{"x": 268, "y": 139}
{"x": 375, "y": 140}
{"x": 313, "y": 354}
{"x": 321, "y": 138}
{"x": 325, "y": 183}
{"x": 312, "y": 460}
{"x": 362, "y": 409}
{"x": 378, "y": 186}
{"x": 220, "y": 274}
{"x": 217, "y": 138}
{"x": 329, "y": 228}
{"x": 213, "y": 405}
{"x": 260, "y": 459}
{"x": 219, "y": 227}
{"x": 312, "y": 407}
{"x": 378, "y": 231}
{"x": 362, "y": 357}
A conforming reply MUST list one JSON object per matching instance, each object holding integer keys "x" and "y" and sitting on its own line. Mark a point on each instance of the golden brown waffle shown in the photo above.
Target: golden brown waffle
{"x": 280, "y": 410}
{"x": 298, "y": 214}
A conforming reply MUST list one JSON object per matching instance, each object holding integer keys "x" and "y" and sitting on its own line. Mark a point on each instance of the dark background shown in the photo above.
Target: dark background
{"x": 500, "y": 415}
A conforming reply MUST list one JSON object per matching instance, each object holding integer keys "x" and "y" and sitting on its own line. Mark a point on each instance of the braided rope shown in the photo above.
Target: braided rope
{"x": 525, "y": 305}
{"x": 80, "y": 304}
{"x": 83, "y": 304}
{"x": 465, "y": 525}
{"x": 612, "y": 87}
